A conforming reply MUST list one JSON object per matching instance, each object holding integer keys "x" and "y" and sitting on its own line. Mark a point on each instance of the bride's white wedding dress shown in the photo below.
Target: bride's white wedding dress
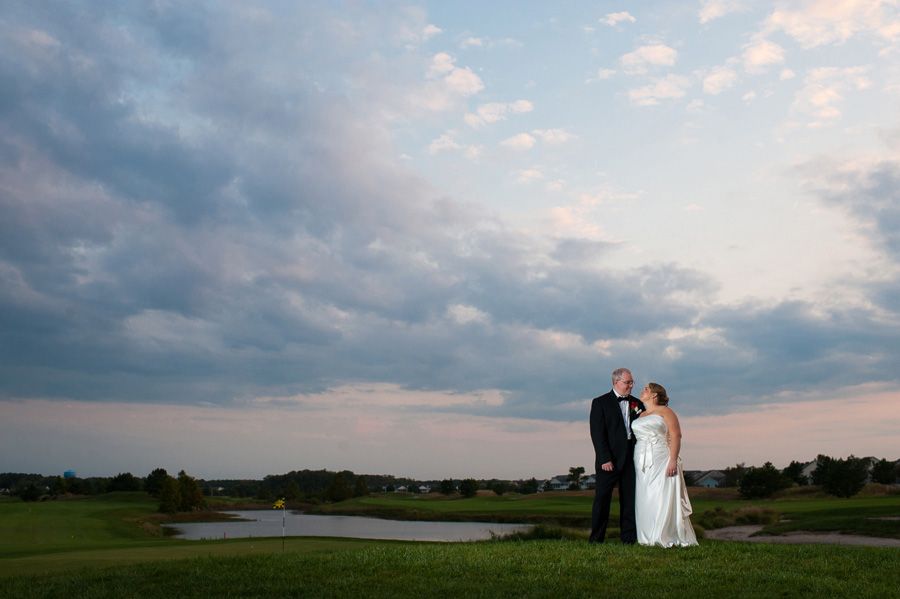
{"x": 662, "y": 507}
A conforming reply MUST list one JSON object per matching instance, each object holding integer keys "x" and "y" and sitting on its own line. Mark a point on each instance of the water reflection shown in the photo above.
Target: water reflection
{"x": 268, "y": 523}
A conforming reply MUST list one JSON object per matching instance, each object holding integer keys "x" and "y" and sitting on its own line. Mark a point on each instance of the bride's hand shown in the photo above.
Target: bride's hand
{"x": 672, "y": 469}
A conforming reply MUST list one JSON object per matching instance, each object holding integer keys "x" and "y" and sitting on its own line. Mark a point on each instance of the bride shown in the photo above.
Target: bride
{"x": 662, "y": 507}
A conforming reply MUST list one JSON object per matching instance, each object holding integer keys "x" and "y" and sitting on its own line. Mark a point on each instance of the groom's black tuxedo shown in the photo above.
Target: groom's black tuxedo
{"x": 611, "y": 444}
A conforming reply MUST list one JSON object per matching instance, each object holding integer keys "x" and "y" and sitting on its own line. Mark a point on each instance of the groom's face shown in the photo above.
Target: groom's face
{"x": 624, "y": 385}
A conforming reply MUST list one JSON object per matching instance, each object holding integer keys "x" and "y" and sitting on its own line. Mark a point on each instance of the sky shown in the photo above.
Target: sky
{"x": 415, "y": 238}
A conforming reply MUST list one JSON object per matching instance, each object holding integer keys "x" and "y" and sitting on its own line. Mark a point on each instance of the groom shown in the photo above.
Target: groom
{"x": 611, "y": 417}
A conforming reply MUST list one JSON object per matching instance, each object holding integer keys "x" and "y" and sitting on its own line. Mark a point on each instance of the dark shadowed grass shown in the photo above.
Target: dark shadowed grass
{"x": 508, "y": 569}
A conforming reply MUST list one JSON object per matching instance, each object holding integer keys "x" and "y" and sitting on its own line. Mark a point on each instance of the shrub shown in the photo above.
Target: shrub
{"x": 884, "y": 472}
{"x": 338, "y": 489}
{"x": 720, "y": 518}
{"x": 469, "y": 487}
{"x": 759, "y": 483}
{"x": 541, "y": 532}
{"x": 841, "y": 478}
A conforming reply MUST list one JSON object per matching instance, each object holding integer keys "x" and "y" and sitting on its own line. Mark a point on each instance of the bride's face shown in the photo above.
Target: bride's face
{"x": 647, "y": 395}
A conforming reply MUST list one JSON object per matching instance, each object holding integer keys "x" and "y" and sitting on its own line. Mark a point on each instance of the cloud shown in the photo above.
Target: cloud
{"x": 447, "y": 86}
{"x": 671, "y": 86}
{"x": 612, "y": 19}
{"x": 522, "y": 141}
{"x": 605, "y": 73}
{"x": 444, "y": 142}
{"x": 719, "y": 80}
{"x": 820, "y": 22}
{"x": 656, "y": 54}
{"x": 554, "y": 136}
{"x": 415, "y": 31}
{"x": 866, "y": 191}
{"x": 529, "y": 176}
{"x": 760, "y": 53}
{"x": 823, "y": 90}
{"x": 431, "y": 31}
{"x": 496, "y": 111}
{"x": 714, "y": 9}
{"x": 242, "y": 218}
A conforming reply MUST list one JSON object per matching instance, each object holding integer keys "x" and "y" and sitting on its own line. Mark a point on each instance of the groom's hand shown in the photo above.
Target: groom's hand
{"x": 608, "y": 467}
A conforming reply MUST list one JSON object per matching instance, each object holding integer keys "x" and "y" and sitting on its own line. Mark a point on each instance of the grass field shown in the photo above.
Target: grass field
{"x": 511, "y": 569}
{"x": 108, "y": 547}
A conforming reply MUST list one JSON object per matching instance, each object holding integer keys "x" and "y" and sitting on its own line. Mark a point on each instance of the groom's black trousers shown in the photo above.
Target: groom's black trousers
{"x": 603, "y": 489}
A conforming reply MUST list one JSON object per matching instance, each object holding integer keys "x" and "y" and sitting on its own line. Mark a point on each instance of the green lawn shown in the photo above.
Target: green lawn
{"x": 510, "y": 569}
{"x": 107, "y": 546}
{"x": 110, "y": 530}
{"x": 107, "y": 522}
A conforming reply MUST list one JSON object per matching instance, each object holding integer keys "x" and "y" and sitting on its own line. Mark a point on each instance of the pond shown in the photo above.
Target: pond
{"x": 268, "y": 523}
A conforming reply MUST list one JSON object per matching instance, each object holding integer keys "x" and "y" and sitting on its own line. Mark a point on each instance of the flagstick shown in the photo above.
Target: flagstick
{"x": 280, "y": 504}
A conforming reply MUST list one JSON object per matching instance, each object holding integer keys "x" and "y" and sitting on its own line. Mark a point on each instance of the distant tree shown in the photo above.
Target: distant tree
{"x": 293, "y": 491}
{"x": 529, "y": 486}
{"x": 361, "y": 489}
{"x": 154, "y": 481}
{"x": 59, "y": 487}
{"x": 245, "y": 489}
{"x": 469, "y": 487}
{"x": 169, "y": 496}
{"x": 124, "y": 481}
{"x": 499, "y": 487}
{"x": 689, "y": 480}
{"x": 759, "y": 483}
{"x": 76, "y": 486}
{"x": 447, "y": 486}
{"x": 338, "y": 489}
{"x": 574, "y": 477}
{"x": 191, "y": 495}
{"x": 884, "y": 472}
{"x": 30, "y": 492}
{"x": 390, "y": 488}
{"x": 841, "y": 478}
{"x": 733, "y": 475}
{"x": 794, "y": 472}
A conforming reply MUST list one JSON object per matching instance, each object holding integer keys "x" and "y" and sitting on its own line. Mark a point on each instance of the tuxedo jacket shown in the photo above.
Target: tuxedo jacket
{"x": 608, "y": 432}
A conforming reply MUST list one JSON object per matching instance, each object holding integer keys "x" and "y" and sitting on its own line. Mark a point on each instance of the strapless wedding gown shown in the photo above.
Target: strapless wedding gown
{"x": 662, "y": 507}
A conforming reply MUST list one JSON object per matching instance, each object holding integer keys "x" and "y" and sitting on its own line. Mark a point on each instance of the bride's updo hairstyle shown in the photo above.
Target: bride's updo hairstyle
{"x": 661, "y": 397}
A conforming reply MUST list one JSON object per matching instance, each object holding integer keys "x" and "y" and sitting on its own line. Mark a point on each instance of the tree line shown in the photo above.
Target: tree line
{"x": 838, "y": 477}
{"x": 185, "y": 493}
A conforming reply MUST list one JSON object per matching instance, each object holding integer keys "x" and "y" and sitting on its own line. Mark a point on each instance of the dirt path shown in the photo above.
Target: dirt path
{"x": 742, "y": 533}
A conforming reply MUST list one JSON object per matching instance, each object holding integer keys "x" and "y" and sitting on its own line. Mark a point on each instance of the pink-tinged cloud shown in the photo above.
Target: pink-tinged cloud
{"x": 760, "y": 53}
{"x": 522, "y": 141}
{"x": 672, "y": 86}
{"x": 818, "y": 22}
{"x": 617, "y": 17}
{"x": 655, "y": 54}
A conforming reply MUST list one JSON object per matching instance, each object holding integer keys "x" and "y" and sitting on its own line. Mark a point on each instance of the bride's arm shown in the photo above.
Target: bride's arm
{"x": 674, "y": 441}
